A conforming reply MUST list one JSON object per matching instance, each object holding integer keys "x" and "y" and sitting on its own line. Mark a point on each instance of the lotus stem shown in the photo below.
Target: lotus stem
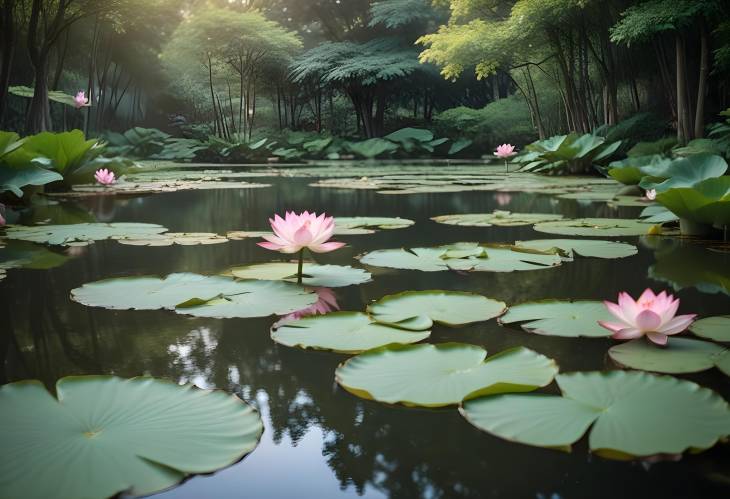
{"x": 301, "y": 266}
{"x": 506, "y": 166}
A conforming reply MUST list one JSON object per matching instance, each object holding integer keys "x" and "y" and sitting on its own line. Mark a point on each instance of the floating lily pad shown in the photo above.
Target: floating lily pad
{"x": 170, "y": 238}
{"x": 137, "y": 188}
{"x": 681, "y": 355}
{"x": 713, "y": 328}
{"x": 194, "y": 294}
{"x": 632, "y": 414}
{"x": 560, "y": 318}
{"x": 498, "y": 217}
{"x": 238, "y": 235}
{"x": 657, "y": 214}
{"x": 418, "y": 310}
{"x": 595, "y": 227}
{"x": 105, "y": 435}
{"x": 367, "y": 225}
{"x": 442, "y": 374}
{"x": 330, "y": 276}
{"x": 344, "y": 332}
{"x": 81, "y": 234}
{"x": 463, "y": 257}
{"x": 593, "y": 248}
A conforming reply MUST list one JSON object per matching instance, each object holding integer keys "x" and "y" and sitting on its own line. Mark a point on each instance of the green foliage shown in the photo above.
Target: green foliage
{"x": 661, "y": 146}
{"x": 13, "y": 179}
{"x": 53, "y": 95}
{"x": 9, "y": 142}
{"x": 571, "y": 153}
{"x": 397, "y": 13}
{"x": 683, "y": 172}
{"x": 137, "y": 142}
{"x": 637, "y": 128}
{"x": 643, "y": 20}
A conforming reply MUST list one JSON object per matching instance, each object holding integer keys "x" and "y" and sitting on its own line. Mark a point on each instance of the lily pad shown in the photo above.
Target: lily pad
{"x": 367, "y": 225}
{"x": 123, "y": 187}
{"x": 330, "y": 276}
{"x": 593, "y": 248}
{"x": 344, "y": 332}
{"x": 81, "y": 234}
{"x": 170, "y": 238}
{"x": 443, "y": 374}
{"x": 463, "y": 257}
{"x": 713, "y": 328}
{"x": 418, "y": 310}
{"x": 631, "y": 414}
{"x": 194, "y": 294}
{"x": 498, "y": 217}
{"x": 105, "y": 435}
{"x": 707, "y": 202}
{"x": 560, "y": 318}
{"x": 681, "y": 355}
{"x": 595, "y": 227}
{"x": 657, "y": 214}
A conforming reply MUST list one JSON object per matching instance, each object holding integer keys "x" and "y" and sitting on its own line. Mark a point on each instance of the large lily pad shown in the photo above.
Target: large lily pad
{"x": 632, "y": 414}
{"x": 170, "y": 238}
{"x": 498, "y": 217}
{"x": 81, "y": 234}
{"x": 594, "y": 248}
{"x": 560, "y": 318}
{"x": 194, "y": 294}
{"x": 707, "y": 202}
{"x": 442, "y": 374}
{"x": 418, "y": 310}
{"x": 344, "y": 332}
{"x": 330, "y": 276}
{"x": 367, "y": 225}
{"x": 596, "y": 227}
{"x": 106, "y": 435}
{"x": 681, "y": 355}
{"x": 713, "y": 328}
{"x": 684, "y": 172}
{"x": 463, "y": 257}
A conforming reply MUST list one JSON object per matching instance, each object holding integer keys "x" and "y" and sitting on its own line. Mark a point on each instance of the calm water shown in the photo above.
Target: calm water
{"x": 320, "y": 441}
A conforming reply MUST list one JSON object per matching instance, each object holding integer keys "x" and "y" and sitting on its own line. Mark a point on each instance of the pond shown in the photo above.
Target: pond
{"x": 320, "y": 440}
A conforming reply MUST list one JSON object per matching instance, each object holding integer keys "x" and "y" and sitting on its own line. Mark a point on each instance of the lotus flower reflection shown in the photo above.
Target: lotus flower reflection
{"x": 326, "y": 303}
{"x": 80, "y": 100}
{"x": 105, "y": 177}
{"x": 651, "y": 315}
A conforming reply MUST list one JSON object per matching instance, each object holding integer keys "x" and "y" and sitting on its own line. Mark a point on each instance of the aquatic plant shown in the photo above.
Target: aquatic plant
{"x": 80, "y": 100}
{"x": 505, "y": 151}
{"x": 651, "y": 315}
{"x": 105, "y": 177}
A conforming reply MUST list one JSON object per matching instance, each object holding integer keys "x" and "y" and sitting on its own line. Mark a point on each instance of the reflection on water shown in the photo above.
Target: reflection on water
{"x": 321, "y": 441}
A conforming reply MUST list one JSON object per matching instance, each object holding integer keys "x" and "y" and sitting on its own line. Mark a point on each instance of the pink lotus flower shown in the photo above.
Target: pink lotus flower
{"x": 503, "y": 198}
{"x": 80, "y": 100}
{"x": 651, "y": 315}
{"x": 295, "y": 232}
{"x": 2, "y": 214}
{"x": 651, "y": 194}
{"x": 505, "y": 151}
{"x": 326, "y": 303}
{"x": 105, "y": 177}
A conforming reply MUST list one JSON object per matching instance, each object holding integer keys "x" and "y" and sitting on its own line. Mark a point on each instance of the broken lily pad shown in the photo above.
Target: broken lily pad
{"x": 330, "y": 276}
{"x": 104, "y": 436}
{"x": 596, "y": 227}
{"x": 681, "y": 355}
{"x": 498, "y": 217}
{"x": 593, "y": 248}
{"x": 713, "y": 328}
{"x": 170, "y": 238}
{"x": 570, "y": 319}
{"x": 343, "y": 332}
{"x": 418, "y": 310}
{"x": 81, "y": 234}
{"x": 632, "y": 414}
{"x": 442, "y": 374}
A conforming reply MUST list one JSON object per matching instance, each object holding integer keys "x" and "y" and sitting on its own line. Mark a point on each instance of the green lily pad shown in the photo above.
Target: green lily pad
{"x": 681, "y": 355}
{"x": 657, "y": 214}
{"x": 443, "y": 374}
{"x": 707, "y": 202}
{"x": 498, "y": 217}
{"x": 238, "y": 235}
{"x": 684, "y": 172}
{"x": 593, "y": 248}
{"x": 170, "y": 238}
{"x": 105, "y": 435}
{"x": 81, "y": 234}
{"x": 713, "y": 328}
{"x": 343, "y": 332}
{"x": 418, "y": 310}
{"x": 560, "y": 318}
{"x": 463, "y": 257}
{"x": 595, "y": 227}
{"x": 194, "y": 294}
{"x": 329, "y": 276}
{"x": 631, "y": 414}
{"x": 367, "y": 225}
{"x": 122, "y": 187}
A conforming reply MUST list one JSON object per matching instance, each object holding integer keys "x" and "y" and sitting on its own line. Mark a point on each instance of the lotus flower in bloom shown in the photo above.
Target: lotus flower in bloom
{"x": 505, "y": 151}
{"x": 651, "y": 194}
{"x": 105, "y": 177}
{"x": 651, "y": 315}
{"x": 295, "y": 232}
{"x": 503, "y": 198}
{"x": 80, "y": 100}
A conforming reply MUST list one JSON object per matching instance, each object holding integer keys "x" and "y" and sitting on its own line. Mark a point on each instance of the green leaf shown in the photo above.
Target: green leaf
{"x": 633, "y": 414}
{"x": 343, "y": 332}
{"x": 170, "y": 238}
{"x": 592, "y": 248}
{"x": 657, "y": 214}
{"x": 498, "y": 217}
{"x": 686, "y": 172}
{"x": 14, "y": 180}
{"x": 67, "y": 151}
{"x": 330, "y": 276}
{"x": 713, "y": 328}
{"x": 81, "y": 234}
{"x": 372, "y": 148}
{"x": 105, "y": 436}
{"x": 9, "y": 142}
{"x": 459, "y": 145}
{"x": 595, "y": 227}
{"x": 368, "y": 225}
{"x": 410, "y": 134}
{"x": 53, "y": 95}
{"x": 418, "y": 310}
{"x": 680, "y": 356}
{"x": 706, "y": 202}
{"x": 560, "y": 318}
{"x": 442, "y": 374}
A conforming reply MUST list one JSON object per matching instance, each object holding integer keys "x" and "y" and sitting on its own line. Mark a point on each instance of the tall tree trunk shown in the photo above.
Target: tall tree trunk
{"x": 702, "y": 84}
{"x": 7, "y": 51}
{"x": 62, "y": 50}
{"x": 39, "y": 113}
{"x": 683, "y": 130}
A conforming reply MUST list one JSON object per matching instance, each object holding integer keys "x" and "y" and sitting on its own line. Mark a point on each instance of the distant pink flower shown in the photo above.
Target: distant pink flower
{"x": 105, "y": 177}
{"x": 651, "y": 194}
{"x": 326, "y": 303}
{"x": 503, "y": 198}
{"x": 651, "y": 316}
{"x": 295, "y": 232}
{"x": 2, "y": 214}
{"x": 80, "y": 100}
{"x": 505, "y": 151}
